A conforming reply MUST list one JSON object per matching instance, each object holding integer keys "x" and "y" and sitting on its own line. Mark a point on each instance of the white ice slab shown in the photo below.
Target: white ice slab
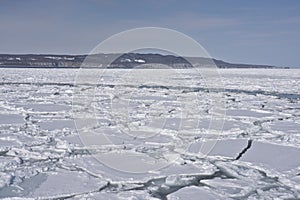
{"x": 47, "y": 107}
{"x": 274, "y": 156}
{"x": 11, "y": 119}
{"x": 228, "y": 148}
{"x": 62, "y": 182}
{"x": 285, "y": 127}
{"x": 193, "y": 193}
{"x": 57, "y": 124}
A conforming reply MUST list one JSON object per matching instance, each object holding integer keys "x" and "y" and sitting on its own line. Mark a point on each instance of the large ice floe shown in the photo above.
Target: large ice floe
{"x": 256, "y": 155}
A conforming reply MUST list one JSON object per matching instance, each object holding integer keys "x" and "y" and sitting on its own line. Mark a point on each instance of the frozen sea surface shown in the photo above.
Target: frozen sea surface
{"x": 255, "y": 156}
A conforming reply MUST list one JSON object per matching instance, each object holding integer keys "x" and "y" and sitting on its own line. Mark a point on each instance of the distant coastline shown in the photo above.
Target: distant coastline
{"x": 125, "y": 61}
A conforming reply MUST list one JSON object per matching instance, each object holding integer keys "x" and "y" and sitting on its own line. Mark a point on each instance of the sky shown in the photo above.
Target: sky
{"x": 256, "y": 31}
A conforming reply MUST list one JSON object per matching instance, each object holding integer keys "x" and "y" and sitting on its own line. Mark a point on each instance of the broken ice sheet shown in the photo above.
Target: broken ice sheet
{"x": 42, "y": 155}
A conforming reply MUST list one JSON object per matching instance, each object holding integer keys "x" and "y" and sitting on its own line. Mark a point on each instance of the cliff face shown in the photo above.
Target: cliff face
{"x": 124, "y": 61}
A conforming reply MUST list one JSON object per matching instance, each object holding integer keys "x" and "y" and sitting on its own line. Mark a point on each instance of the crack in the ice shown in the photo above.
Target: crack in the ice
{"x": 249, "y": 144}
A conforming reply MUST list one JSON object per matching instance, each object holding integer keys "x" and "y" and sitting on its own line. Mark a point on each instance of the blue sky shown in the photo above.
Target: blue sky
{"x": 256, "y": 31}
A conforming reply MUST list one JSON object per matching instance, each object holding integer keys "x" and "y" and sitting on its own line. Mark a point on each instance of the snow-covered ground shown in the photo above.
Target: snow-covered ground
{"x": 255, "y": 153}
